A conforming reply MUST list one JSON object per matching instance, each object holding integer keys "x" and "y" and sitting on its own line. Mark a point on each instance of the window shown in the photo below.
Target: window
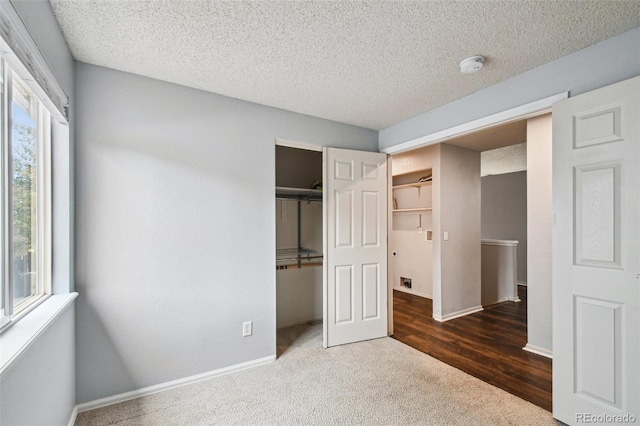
{"x": 25, "y": 212}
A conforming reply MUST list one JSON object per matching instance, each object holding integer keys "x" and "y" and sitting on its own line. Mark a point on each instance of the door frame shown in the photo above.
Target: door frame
{"x": 308, "y": 147}
{"x": 529, "y": 110}
{"x": 525, "y": 111}
{"x": 299, "y": 145}
{"x": 321, "y": 148}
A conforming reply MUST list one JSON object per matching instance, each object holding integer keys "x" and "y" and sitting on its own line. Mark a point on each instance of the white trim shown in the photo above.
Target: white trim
{"x": 31, "y": 303}
{"x": 501, "y": 300}
{"x": 4, "y": 319}
{"x": 150, "y": 390}
{"x": 325, "y": 249}
{"x": 299, "y": 322}
{"x": 508, "y": 243}
{"x": 415, "y": 293}
{"x": 523, "y": 111}
{"x": 488, "y": 305}
{"x": 7, "y": 208}
{"x": 300, "y": 145}
{"x": 74, "y": 415}
{"x": 538, "y": 350}
{"x": 45, "y": 200}
{"x": 453, "y": 315}
{"x": 15, "y": 340}
{"x": 522, "y": 283}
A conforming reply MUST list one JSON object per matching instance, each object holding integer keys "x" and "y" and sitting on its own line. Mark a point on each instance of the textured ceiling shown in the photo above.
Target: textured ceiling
{"x": 503, "y": 160}
{"x": 493, "y": 137}
{"x": 371, "y": 64}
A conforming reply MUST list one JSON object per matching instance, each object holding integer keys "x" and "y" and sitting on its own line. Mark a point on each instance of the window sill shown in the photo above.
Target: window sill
{"x": 19, "y": 336}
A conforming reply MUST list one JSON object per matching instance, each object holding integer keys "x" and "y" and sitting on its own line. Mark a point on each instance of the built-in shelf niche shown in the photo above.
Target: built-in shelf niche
{"x": 412, "y": 192}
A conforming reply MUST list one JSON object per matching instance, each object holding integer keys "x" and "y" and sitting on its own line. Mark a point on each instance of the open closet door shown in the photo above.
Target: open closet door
{"x": 596, "y": 256}
{"x": 355, "y": 246}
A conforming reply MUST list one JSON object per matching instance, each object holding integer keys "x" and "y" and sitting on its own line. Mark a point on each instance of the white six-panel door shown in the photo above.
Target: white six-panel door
{"x": 596, "y": 255}
{"x": 355, "y": 246}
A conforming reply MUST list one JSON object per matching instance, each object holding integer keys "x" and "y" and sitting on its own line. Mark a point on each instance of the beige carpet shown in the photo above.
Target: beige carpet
{"x": 378, "y": 382}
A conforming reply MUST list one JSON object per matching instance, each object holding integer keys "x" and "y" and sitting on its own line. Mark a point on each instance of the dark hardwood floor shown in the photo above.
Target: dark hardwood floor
{"x": 487, "y": 344}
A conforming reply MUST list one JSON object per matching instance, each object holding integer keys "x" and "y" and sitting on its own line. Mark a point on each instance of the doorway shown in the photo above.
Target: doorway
{"x": 348, "y": 283}
{"x": 299, "y": 240}
{"x": 487, "y": 344}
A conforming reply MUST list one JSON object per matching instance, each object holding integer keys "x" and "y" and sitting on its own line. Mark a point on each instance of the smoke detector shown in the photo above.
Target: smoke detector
{"x": 471, "y": 64}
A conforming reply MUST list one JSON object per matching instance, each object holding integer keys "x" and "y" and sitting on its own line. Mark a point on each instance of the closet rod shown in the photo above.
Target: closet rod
{"x": 299, "y": 199}
{"x": 285, "y": 259}
{"x": 284, "y": 193}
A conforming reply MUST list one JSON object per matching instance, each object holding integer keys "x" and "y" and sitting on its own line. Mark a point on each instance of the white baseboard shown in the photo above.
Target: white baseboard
{"x": 453, "y": 315}
{"x": 292, "y": 323}
{"x": 538, "y": 350}
{"x": 501, "y": 300}
{"x": 415, "y": 293}
{"x": 115, "y": 399}
{"x": 74, "y": 414}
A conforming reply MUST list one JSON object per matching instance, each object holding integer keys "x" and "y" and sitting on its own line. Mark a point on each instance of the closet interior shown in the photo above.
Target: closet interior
{"x": 411, "y": 236}
{"x": 298, "y": 236}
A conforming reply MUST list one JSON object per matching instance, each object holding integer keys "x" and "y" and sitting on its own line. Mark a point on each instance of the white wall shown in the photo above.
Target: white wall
{"x": 298, "y": 295}
{"x": 499, "y": 271}
{"x": 39, "y": 388}
{"x": 414, "y": 255}
{"x": 504, "y": 213}
{"x": 539, "y": 221}
{"x": 596, "y": 66}
{"x": 460, "y": 217}
{"x": 176, "y": 227}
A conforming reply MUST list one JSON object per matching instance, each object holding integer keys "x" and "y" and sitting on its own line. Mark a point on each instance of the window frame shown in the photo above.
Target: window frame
{"x": 10, "y": 312}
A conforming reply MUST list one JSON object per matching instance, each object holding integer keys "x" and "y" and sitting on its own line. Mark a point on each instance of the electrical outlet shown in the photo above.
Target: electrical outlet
{"x": 405, "y": 282}
{"x": 420, "y": 230}
{"x": 247, "y": 328}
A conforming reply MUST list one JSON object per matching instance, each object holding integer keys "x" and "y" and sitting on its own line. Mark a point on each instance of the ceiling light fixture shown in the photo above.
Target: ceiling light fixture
{"x": 471, "y": 64}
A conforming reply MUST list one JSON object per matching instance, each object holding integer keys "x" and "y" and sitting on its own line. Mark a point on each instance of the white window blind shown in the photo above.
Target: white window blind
{"x": 22, "y": 54}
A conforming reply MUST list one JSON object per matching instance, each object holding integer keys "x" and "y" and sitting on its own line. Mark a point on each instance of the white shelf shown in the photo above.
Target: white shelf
{"x": 407, "y": 200}
{"x": 299, "y": 251}
{"x": 301, "y": 194}
{"x": 417, "y": 209}
{"x": 412, "y": 185}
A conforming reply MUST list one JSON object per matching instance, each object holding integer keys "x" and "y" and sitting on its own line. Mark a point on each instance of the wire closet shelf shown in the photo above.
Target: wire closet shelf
{"x": 300, "y": 253}
{"x": 283, "y": 193}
